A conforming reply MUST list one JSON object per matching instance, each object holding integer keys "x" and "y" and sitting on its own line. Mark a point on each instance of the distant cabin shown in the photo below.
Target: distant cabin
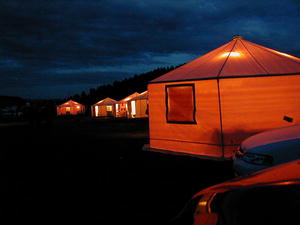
{"x": 208, "y": 106}
{"x": 122, "y": 105}
{"x": 104, "y": 108}
{"x": 138, "y": 106}
{"x": 70, "y": 108}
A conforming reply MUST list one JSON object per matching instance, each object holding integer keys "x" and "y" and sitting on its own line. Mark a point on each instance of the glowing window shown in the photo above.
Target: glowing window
{"x": 108, "y": 108}
{"x": 96, "y": 110}
{"x": 117, "y": 107}
{"x": 180, "y": 102}
{"x": 68, "y": 109}
{"x": 133, "y": 110}
{"x": 78, "y": 107}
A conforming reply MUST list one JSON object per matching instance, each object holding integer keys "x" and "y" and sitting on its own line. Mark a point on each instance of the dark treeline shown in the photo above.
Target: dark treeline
{"x": 120, "y": 89}
{"x": 6, "y": 101}
{"x": 37, "y": 110}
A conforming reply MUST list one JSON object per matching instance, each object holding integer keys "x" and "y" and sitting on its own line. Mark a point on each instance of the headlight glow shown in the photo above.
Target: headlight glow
{"x": 258, "y": 159}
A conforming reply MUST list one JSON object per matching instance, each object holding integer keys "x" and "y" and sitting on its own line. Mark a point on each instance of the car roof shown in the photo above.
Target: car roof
{"x": 272, "y": 136}
{"x": 284, "y": 174}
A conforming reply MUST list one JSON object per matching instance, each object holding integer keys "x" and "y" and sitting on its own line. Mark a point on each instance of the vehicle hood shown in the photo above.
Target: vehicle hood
{"x": 284, "y": 174}
{"x": 272, "y": 136}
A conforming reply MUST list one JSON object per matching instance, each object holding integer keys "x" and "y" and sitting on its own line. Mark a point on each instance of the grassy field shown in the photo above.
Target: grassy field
{"x": 93, "y": 171}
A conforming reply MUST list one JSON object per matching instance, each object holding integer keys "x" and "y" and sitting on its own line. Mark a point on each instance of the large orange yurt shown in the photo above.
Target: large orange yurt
{"x": 209, "y": 105}
{"x": 70, "y": 108}
{"x": 122, "y": 105}
{"x": 104, "y": 108}
{"x": 138, "y": 106}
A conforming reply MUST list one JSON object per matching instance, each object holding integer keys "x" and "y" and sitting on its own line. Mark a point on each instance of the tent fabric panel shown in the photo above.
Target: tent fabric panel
{"x": 198, "y": 149}
{"x": 103, "y": 112}
{"x": 205, "y": 132}
{"x": 273, "y": 61}
{"x": 252, "y": 105}
{"x": 240, "y": 62}
{"x": 93, "y": 111}
{"x": 122, "y": 110}
{"x": 141, "y": 108}
{"x": 130, "y": 109}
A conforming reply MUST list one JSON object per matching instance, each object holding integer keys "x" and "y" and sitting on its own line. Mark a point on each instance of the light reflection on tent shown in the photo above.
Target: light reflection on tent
{"x": 231, "y": 54}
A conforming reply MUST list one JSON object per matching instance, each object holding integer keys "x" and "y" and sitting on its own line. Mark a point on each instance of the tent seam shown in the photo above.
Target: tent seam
{"x": 219, "y": 99}
{"x": 270, "y": 51}
{"x": 219, "y": 73}
{"x": 228, "y": 77}
{"x": 255, "y": 58}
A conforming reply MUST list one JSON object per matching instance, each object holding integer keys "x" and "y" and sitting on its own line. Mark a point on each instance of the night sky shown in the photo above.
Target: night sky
{"x": 58, "y": 48}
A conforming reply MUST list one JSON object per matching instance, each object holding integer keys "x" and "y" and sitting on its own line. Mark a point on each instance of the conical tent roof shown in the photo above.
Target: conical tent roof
{"x": 143, "y": 95}
{"x": 70, "y": 103}
{"x": 106, "y": 101}
{"x": 237, "y": 58}
{"x": 129, "y": 97}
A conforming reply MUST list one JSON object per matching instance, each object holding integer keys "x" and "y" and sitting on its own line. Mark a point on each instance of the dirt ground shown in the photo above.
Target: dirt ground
{"x": 93, "y": 171}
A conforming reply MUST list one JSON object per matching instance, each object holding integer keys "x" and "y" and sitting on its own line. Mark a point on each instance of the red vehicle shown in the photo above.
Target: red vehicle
{"x": 271, "y": 196}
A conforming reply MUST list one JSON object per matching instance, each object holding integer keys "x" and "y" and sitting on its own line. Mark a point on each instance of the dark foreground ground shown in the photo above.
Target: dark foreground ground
{"x": 94, "y": 172}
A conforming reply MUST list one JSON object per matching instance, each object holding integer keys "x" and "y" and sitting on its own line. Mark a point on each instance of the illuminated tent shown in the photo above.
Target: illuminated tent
{"x": 70, "y": 108}
{"x": 122, "y": 105}
{"x": 209, "y": 105}
{"x": 104, "y": 108}
{"x": 138, "y": 106}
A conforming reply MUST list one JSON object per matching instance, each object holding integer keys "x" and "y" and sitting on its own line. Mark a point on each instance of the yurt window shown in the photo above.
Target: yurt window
{"x": 133, "y": 111}
{"x": 97, "y": 110}
{"x": 108, "y": 108}
{"x": 180, "y": 102}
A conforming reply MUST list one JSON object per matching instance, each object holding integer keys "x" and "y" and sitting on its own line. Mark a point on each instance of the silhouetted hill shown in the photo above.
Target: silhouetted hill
{"x": 6, "y": 101}
{"x": 120, "y": 89}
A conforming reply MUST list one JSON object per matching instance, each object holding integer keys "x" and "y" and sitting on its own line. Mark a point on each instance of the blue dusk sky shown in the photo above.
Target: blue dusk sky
{"x": 58, "y": 48}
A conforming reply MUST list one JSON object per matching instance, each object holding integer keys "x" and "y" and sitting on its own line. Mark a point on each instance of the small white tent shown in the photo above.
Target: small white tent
{"x": 104, "y": 108}
{"x": 138, "y": 106}
{"x": 122, "y": 105}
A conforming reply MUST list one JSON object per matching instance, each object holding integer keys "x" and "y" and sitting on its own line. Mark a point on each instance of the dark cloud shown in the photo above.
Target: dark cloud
{"x": 85, "y": 43}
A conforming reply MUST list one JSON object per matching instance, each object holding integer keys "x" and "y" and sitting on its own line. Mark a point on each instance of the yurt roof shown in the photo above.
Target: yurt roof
{"x": 143, "y": 95}
{"x": 70, "y": 103}
{"x": 237, "y": 58}
{"x": 128, "y": 98}
{"x": 106, "y": 101}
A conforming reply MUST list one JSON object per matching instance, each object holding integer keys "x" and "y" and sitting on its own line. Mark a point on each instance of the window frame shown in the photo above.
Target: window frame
{"x": 167, "y": 103}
